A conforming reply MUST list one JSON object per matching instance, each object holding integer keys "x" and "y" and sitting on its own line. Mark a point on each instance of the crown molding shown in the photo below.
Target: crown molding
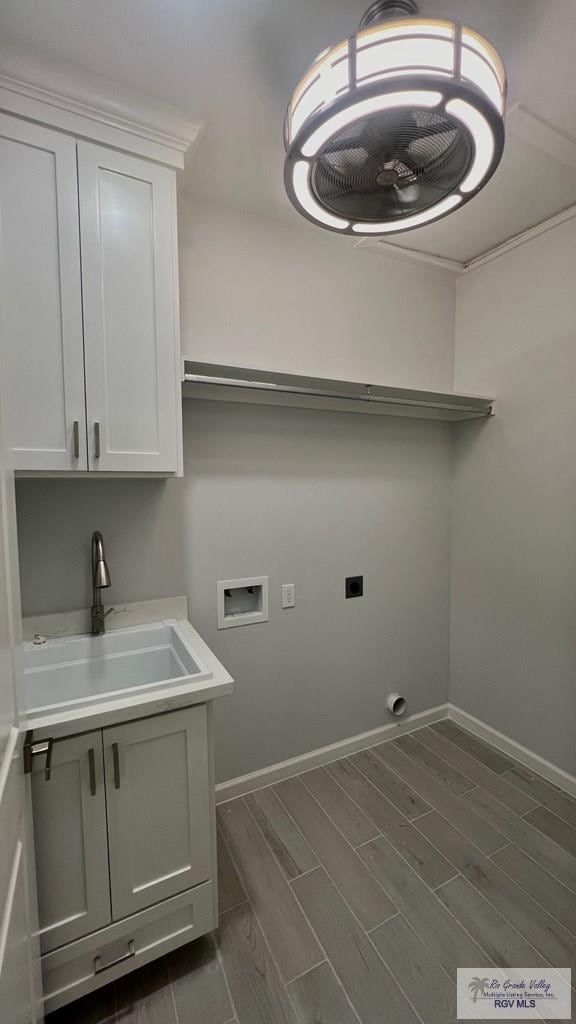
{"x": 398, "y": 252}
{"x": 534, "y": 132}
{"x": 459, "y": 269}
{"x": 82, "y": 103}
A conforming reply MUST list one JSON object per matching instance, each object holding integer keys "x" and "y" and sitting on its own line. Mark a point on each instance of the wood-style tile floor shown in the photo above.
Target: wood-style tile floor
{"x": 351, "y": 893}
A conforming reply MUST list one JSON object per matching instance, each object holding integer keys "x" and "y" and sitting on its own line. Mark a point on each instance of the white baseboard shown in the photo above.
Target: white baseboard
{"x": 323, "y": 755}
{"x": 557, "y": 776}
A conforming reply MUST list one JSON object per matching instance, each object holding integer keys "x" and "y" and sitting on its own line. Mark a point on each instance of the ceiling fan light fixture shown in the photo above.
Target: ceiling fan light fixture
{"x": 393, "y": 122}
{"x": 355, "y": 111}
{"x": 483, "y": 142}
{"x": 307, "y": 201}
{"x": 416, "y": 221}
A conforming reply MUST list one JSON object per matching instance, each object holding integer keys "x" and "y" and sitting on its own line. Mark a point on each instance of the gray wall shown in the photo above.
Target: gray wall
{"x": 309, "y": 497}
{"x": 513, "y": 649}
{"x": 305, "y": 497}
{"x": 269, "y": 294}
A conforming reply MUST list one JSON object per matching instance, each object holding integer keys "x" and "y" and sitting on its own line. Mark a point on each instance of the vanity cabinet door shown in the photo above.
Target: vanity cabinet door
{"x": 157, "y": 786}
{"x": 41, "y": 341}
{"x": 70, "y": 841}
{"x": 130, "y": 300}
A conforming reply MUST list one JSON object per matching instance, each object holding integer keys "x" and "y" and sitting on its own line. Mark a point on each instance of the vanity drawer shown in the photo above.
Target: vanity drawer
{"x": 82, "y": 966}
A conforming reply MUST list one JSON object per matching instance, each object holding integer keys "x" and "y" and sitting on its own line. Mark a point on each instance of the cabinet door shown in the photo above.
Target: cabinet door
{"x": 40, "y": 298}
{"x": 70, "y": 841}
{"x": 158, "y": 808}
{"x": 128, "y": 233}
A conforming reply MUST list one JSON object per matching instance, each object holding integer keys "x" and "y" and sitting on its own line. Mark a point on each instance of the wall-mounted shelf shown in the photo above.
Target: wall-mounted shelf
{"x": 238, "y": 384}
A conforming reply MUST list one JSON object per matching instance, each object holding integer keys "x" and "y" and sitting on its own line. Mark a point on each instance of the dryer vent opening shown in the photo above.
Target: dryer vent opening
{"x": 396, "y": 705}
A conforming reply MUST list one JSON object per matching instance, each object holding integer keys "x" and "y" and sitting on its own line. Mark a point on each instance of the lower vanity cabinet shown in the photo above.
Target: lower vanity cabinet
{"x": 124, "y": 836}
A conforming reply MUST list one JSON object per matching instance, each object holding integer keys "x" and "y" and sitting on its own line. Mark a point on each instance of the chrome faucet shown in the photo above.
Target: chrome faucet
{"x": 100, "y": 580}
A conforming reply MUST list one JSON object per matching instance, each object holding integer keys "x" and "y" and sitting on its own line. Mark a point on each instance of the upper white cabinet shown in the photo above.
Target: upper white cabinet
{"x": 41, "y": 354}
{"x": 127, "y": 229}
{"x": 89, "y": 305}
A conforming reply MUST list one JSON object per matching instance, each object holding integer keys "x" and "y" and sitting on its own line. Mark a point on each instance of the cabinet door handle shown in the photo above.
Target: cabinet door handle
{"x": 116, "y": 763}
{"x": 96, "y": 439}
{"x": 48, "y": 762}
{"x": 76, "y": 439}
{"x": 99, "y": 966}
{"x": 31, "y": 749}
{"x": 92, "y": 771}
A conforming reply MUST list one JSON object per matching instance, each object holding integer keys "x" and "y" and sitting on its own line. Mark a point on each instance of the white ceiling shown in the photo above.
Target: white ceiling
{"x": 530, "y": 187}
{"x": 233, "y": 64}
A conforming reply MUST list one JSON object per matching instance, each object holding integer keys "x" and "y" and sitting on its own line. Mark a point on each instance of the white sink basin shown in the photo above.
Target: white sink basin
{"x": 80, "y": 670}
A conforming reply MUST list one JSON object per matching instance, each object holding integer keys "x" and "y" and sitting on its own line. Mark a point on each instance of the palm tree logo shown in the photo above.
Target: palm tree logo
{"x": 478, "y": 987}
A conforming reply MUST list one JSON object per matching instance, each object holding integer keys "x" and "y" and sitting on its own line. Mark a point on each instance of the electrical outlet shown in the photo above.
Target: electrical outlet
{"x": 288, "y": 595}
{"x": 354, "y": 586}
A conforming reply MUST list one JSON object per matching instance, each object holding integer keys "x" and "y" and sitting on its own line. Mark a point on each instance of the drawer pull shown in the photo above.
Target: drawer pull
{"x": 96, "y": 440}
{"x": 92, "y": 771}
{"x": 116, "y": 763}
{"x": 99, "y": 966}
